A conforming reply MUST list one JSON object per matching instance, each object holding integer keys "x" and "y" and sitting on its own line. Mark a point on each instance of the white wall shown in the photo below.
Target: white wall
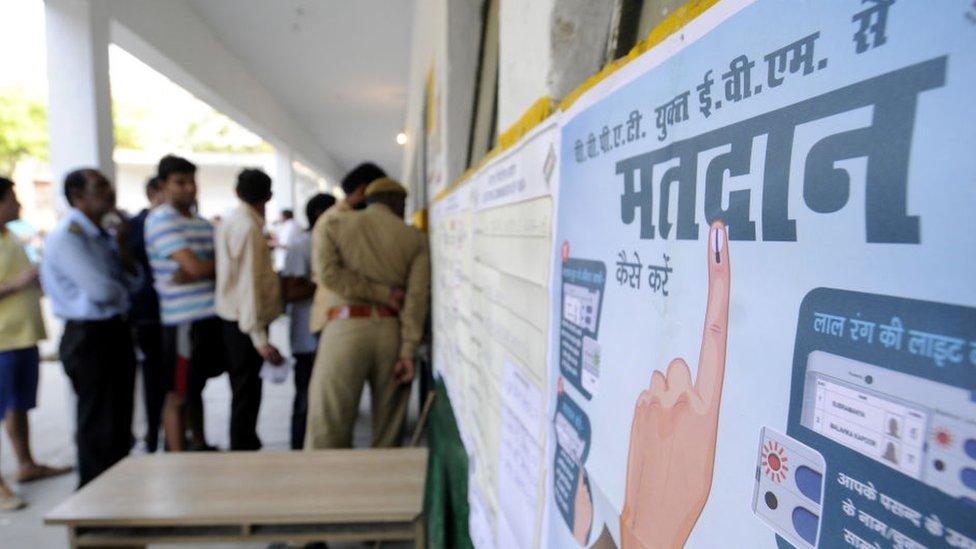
{"x": 547, "y": 48}
{"x": 446, "y": 39}
{"x": 428, "y": 21}
{"x": 524, "y": 59}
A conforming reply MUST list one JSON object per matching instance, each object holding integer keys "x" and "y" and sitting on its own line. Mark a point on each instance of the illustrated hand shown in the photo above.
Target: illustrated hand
{"x": 403, "y": 371}
{"x": 397, "y": 295}
{"x": 583, "y": 510}
{"x": 672, "y": 438}
{"x": 270, "y": 353}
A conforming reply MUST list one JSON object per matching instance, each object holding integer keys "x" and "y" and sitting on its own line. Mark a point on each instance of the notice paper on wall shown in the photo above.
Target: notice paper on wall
{"x": 491, "y": 242}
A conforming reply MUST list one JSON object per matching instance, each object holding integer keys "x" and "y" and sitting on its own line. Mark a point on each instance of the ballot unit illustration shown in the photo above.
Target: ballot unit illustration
{"x": 583, "y": 284}
{"x": 789, "y": 487}
{"x": 883, "y": 391}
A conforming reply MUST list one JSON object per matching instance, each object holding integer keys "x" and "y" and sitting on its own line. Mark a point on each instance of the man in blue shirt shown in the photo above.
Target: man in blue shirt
{"x": 87, "y": 273}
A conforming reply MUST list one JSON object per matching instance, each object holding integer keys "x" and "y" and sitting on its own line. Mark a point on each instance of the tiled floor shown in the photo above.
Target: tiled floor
{"x": 51, "y": 424}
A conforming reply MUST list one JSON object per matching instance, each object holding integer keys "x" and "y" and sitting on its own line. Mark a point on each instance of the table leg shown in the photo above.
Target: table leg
{"x": 420, "y": 533}
{"x": 72, "y": 537}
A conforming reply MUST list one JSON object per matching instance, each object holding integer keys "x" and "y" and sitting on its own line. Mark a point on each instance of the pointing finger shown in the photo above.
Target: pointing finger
{"x": 711, "y": 361}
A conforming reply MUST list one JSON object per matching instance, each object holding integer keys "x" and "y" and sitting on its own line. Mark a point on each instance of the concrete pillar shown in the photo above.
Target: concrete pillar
{"x": 283, "y": 182}
{"x": 79, "y": 98}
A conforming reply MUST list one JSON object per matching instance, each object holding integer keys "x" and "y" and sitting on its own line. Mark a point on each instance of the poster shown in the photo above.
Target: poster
{"x": 491, "y": 239}
{"x": 763, "y": 312}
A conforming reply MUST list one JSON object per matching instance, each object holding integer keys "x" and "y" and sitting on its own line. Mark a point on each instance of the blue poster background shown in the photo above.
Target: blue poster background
{"x": 848, "y": 166}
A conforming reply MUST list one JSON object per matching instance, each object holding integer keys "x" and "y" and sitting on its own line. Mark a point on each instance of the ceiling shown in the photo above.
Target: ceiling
{"x": 339, "y": 67}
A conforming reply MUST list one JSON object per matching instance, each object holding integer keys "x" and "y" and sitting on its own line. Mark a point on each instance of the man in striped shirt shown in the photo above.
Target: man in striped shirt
{"x": 180, "y": 245}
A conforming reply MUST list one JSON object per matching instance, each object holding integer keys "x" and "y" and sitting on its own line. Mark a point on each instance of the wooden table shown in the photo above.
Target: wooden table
{"x": 297, "y": 497}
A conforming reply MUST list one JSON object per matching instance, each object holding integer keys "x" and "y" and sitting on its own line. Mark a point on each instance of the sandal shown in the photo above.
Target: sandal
{"x": 9, "y": 501}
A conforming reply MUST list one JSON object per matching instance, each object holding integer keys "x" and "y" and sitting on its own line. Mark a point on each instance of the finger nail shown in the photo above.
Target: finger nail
{"x": 718, "y": 242}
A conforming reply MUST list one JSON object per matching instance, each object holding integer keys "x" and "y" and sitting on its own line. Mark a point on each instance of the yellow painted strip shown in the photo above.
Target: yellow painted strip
{"x": 429, "y": 99}
{"x": 419, "y": 220}
{"x": 678, "y": 18}
{"x": 539, "y": 111}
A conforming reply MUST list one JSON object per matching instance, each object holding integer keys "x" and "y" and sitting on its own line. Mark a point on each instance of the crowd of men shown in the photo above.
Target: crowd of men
{"x": 167, "y": 291}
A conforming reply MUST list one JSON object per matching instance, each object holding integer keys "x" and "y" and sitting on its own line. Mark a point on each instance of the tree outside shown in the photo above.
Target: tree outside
{"x": 23, "y": 129}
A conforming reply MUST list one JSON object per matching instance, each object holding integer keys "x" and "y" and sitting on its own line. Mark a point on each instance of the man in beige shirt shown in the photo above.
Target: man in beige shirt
{"x": 378, "y": 272}
{"x": 354, "y": 186}
{"x": 248, "y": 299}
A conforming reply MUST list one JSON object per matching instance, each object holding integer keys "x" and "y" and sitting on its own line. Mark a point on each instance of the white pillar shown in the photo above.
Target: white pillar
{"x": 79, "y": 98}
{"x": 283, "y": 182}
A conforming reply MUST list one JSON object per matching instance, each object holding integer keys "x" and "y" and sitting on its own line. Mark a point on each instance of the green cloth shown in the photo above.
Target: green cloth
{"x": 446, "y": 498}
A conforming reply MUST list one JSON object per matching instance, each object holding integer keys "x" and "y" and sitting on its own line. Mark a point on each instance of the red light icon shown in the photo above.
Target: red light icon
{"x": 943, "y": 437}
{"x": 774, "y": 461}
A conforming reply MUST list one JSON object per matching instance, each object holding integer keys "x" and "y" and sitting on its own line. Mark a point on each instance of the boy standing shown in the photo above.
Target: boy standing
{"x": 180, "y": 246}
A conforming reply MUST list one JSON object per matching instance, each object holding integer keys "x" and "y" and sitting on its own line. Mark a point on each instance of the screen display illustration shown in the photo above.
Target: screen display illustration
{"x": 868, "y": 409}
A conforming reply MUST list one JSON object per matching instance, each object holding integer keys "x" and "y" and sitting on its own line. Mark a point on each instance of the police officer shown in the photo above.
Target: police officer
{"x": 88, "y": 273}
{"x": 378, "y": 273}
{"x": 354, "y": 186}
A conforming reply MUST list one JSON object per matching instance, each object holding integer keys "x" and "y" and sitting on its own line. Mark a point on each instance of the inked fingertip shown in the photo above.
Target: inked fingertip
{"x": 716, "y": 240}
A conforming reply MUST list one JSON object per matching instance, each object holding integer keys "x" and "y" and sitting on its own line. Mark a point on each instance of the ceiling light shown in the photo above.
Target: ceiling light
{"x": 401, "y": 138}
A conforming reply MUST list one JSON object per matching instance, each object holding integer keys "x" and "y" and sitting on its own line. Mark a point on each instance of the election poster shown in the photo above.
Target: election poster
{"x": 763, "y": 311}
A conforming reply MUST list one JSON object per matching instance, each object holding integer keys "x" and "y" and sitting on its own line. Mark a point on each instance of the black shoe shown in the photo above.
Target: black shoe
{"x": 193, "y": 447}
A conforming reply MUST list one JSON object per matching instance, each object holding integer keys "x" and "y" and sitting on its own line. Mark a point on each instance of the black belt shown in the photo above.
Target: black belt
{"x": 117, "y": 319}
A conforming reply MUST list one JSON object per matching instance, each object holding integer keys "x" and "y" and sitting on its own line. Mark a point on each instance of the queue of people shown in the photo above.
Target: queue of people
{"x": 185, "y": 301}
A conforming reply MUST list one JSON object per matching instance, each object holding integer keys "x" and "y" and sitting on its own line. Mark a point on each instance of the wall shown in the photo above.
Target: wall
{"x": 546, "y": 48}
{"x": 446, "y": 40}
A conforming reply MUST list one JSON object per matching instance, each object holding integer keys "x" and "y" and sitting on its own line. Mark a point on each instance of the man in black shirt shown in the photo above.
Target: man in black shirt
{"x": 144, "y": 318}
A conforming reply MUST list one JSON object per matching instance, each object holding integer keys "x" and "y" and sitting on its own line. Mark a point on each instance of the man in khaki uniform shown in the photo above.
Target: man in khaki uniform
{"x": 354, "y": 186}
{"x": 378, "y": 273}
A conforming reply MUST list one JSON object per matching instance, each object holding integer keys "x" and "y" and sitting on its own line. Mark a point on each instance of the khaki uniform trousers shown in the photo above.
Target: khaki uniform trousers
{"x": 352, "y": 352}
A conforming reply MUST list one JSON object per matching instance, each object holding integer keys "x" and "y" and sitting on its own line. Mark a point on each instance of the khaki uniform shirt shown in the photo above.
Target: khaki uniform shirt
{"x": 21, "y": 325}
{"x": 248, "y": 290}
{"x": 364, "y": 254}
{"x": 320, "y": 303}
